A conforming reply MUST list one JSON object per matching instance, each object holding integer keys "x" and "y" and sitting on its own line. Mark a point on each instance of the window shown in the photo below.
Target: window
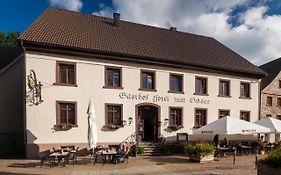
{"x": 223, "y": 113}
{"x": 278, "y": 102}
{"x": 269, "y": 101}
{"x": 224, "y": 88}
{"x": 66, "y": 73}
{"x": 245, "y": 90}
{"x": 113, "y": 78}
{"x": 201, "y": 86}
{"x": 147, "y": 80}
{"x": 200, "y": 117}
{"x": 245, "y": 115}
{"x": 268, "y": 115}
{"x": 175, "y": 117}
{"x": 114, "y": 114}
{"x": 278, "y": 117}
{"x": 279, "y": 83}
{"x": 176, "y": 83}
{"x": 66, "y": 113}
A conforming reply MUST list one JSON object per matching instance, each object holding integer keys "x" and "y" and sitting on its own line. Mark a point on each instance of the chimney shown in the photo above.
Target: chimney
{"x": 116, "y": 18}
{"x": 173, "y": 28}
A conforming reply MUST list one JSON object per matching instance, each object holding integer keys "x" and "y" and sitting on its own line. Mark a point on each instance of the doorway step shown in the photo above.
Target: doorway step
{"x": 152, "y": 149}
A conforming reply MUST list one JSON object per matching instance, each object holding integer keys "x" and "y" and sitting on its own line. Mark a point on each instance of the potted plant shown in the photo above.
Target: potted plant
{"x": 200, "y": 152}
{"x": 175, "y": 127}
{"x": 271, "y": 164}
{"x": 113, "y": 127}
{"x": 64, "y": 126}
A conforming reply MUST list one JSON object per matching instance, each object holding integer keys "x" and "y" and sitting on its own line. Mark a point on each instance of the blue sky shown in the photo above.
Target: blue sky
{"x": 250, "y": 27}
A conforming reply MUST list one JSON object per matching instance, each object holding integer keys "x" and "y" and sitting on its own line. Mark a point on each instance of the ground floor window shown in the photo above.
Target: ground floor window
{"x": 66, "y": 113}
{"x": 113, "y": 114}
{"x": 223, "y": 113}
{"x": 245, "y": 115}
{"x": 175, "y": 117}
{"x": 200, "y": 117}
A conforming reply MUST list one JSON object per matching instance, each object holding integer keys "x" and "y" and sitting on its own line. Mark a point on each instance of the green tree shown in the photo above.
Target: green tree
{"x": 9, "y": 39}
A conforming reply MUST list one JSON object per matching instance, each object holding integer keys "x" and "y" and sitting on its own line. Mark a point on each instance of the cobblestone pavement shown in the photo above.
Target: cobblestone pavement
{"x": 164, "y": 165}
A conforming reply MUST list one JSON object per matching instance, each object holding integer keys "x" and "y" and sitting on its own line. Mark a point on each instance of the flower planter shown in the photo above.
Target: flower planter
{"x": 264, "y": 169}
{"x": 202, "y": 159}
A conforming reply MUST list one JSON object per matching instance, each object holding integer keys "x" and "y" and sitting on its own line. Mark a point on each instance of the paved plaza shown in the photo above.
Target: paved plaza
{"x": 175, "y": 165}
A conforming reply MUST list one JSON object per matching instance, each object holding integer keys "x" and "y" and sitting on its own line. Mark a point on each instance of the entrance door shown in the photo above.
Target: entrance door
{"x": 148, "y": 123}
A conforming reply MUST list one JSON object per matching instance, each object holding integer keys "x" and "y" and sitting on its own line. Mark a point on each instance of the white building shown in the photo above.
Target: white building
{"x": 144, "y": 80}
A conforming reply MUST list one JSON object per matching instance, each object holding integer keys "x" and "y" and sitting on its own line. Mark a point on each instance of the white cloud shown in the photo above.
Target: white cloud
{"x": 257, "y": 37}
{"x": 74, "y": 5}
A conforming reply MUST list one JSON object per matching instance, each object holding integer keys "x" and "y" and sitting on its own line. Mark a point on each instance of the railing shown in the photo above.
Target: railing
{"x": 132, "y": 140}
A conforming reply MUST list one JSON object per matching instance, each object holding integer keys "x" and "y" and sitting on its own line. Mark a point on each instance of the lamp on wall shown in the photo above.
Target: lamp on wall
{"x": 130, "y": 120}
{"x": 166, "y": 120}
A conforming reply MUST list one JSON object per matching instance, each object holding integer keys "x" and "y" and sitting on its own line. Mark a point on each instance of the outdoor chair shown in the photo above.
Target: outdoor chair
{"x": 44, "y": 157}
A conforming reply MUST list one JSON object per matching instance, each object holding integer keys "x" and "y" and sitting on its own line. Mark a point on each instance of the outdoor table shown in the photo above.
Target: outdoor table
{"x": 269, "y": 148}
{"x": 223, "y": 150}
{"x": 246, "y": 149}
{"x": 59, "y": 156}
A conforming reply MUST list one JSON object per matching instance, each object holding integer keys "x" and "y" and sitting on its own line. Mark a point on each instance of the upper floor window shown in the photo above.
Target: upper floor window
{"x": 66, "y": 73}
{"x": 200, "y": 117}
{"x": 113, "y": 77}
{"x": 224, "y": 88}
{"x": 245, "y": 115}
{"x": 268, "y": 115}
{"x": 245, "y": 90}
{"x": 176, "y": 83}
{"x": 66, "y": 113}
{"x": 147, "y": 80}
{"x": 269, "y": 101}
{"x": 278, "y": 117}
{"x": 175, "y": 117}
{"x": 114, "y": 114}
{"x": 278, "y": 102}
{"x": 279, "y": 83}
{"x": 201, "y": 86}
{"x": 223, "y": 113}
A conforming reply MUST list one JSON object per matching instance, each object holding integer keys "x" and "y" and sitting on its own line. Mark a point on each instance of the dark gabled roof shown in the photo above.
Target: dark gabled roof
{"x": 8, "y": 55}
{"x": 66, "y": 29}
{"x": 272, "y": 69}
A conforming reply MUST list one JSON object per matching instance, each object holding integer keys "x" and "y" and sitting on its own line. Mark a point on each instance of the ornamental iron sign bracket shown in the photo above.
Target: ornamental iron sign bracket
{"x": 33, "y": 95}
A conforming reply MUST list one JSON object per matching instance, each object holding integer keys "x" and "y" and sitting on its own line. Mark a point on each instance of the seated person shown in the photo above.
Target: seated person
{"x": 121, "y": 153}
{"x": 224, "y": 143}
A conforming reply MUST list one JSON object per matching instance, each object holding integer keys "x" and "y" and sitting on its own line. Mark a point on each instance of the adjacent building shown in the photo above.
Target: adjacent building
{"x": 11, "y": 101}
{"x": 145, "y": 81}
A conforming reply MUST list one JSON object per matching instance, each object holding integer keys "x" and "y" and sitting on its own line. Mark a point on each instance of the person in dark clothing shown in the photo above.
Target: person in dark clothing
{"x": 216, "y": 140}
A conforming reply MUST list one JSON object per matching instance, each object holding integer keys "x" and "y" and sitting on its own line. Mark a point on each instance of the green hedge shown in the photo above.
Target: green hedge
{"x": 273, "y": 158}
{"x": 199, "y": 149}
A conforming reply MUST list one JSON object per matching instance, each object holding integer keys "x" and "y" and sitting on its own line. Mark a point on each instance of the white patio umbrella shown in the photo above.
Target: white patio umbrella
{"x": 273, "y": 124}
{"x": 230, "y": 126}
{"x": 92, "y": 125}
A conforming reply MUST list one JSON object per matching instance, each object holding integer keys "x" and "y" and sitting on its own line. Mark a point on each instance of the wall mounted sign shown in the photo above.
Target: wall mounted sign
{"x": 159, "y": 98}
{"x": 33, "y": 95}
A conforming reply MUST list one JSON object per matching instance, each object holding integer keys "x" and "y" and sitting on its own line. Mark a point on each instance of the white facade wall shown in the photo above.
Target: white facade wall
{"x": 90, "y": 82}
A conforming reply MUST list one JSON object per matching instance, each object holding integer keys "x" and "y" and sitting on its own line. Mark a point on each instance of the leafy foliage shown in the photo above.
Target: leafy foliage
{"x": 201, "y": 149}
{"x": 273, "y": 158}
{"x": 9, "y": 39}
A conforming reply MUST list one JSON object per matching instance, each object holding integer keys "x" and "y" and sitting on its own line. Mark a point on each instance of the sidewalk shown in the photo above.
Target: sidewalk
{"x": 177, "y": 165}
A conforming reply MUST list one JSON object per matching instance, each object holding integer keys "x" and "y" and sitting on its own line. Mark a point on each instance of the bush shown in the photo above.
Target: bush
{"x": 140, "y": 150}
{"x": 201, "y": 149}
{"x": 273, "y": 158}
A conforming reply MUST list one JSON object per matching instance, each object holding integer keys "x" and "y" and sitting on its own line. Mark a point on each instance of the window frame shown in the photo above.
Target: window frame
{"x": 245, "y": 97}
{"x": 267, "y": 102}
{"x": 198, "y": 93}
{"x": 106, "y": 85}
{"x": 241, "y": 111}
{"x": 106, "y": 114}
{"x": 58, "y": 75}
{"x": 279, "y": 102}
{"x": 181, "y": 109}
{"x": 153, "y": 80}
{"x": 206, "y": 119}
{"x": 223, "y": 110}
{"x": 182, "y": 83}
{"x": 229, "y": 88}
{"x": 58, "y": 117}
